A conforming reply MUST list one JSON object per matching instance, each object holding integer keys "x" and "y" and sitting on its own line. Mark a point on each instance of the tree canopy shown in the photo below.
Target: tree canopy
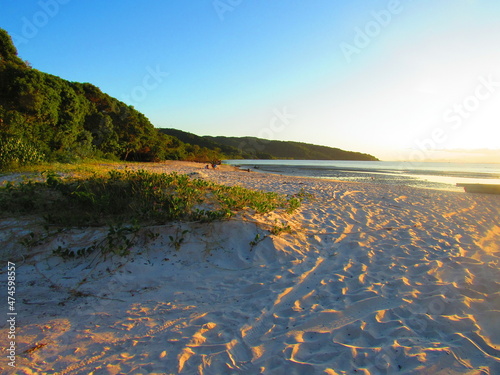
{"x": 63, "y": 120}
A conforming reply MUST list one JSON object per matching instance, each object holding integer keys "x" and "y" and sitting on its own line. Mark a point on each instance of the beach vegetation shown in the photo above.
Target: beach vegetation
{"x": 179, "y": 238}
{"x": 16, "y": 152}
{"x": 257, "y": 239}
{"x": 127, "y": 201}
{"x": 134, "y": 196}
{"x": 118, "y": 241}
{"x": 304, "y": 194}
{"x": 279, "y": 228}
{"x": 293, "y": 204}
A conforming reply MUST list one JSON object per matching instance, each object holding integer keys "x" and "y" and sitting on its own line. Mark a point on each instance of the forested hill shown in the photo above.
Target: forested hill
{"x": 194, "y": 140}
{"x": 257, "y": 148}
{"x": 46, "y": 118}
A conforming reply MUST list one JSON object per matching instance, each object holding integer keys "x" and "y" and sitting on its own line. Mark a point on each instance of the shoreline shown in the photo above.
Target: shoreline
{"x": 377, "y": 279}
{"x": 189, "y": 167}
{"x": 438, "y": 176}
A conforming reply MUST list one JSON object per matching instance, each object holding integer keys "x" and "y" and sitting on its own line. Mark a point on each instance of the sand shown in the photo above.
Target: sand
{"x": 370, "y": 280}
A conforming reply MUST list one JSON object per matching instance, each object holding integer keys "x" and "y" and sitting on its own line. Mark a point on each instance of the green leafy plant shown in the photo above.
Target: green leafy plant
{"x": 304, "y": 194}
{"x": 15, "y": 152}
{"x": 67, "y": 253}
{"x": 293, "y": 204}
{"x": 177, "y": 241}
{"x": 52, "y": 178}
{"x": 118, "y": 241}
{"x": 280, "y": 228}
{"x": 257, "y": 239}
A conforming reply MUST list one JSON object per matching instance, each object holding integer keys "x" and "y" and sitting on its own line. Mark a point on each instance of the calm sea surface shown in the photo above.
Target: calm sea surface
{"x": 418, "y": 174}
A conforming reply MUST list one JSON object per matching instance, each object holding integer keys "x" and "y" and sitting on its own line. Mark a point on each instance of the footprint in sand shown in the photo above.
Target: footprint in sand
{"x": 240, "y": 355}
{"x": 347, "y": 193}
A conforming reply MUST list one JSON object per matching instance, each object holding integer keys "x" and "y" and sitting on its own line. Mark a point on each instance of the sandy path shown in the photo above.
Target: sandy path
{"x": 372, "y": 280}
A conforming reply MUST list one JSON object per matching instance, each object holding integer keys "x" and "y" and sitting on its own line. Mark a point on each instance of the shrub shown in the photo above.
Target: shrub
{"x": 14, "y": 151}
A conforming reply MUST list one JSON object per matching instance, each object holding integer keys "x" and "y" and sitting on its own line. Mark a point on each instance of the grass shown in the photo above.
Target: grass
{"x": 81, "y": 169}
{"x": 133, "y": 197}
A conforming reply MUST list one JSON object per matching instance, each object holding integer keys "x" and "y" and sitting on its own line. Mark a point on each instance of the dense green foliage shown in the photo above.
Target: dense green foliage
{"x": 14, "y": 151}
{"x": 65, "y": 121}
{"x": 257, "y": 148}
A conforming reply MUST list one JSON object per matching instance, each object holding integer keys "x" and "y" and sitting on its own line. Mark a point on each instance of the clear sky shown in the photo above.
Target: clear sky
{"x": 405, "y": 79}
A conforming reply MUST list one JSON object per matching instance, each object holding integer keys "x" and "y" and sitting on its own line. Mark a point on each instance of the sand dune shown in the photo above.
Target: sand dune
{"x": 371, "y": 280}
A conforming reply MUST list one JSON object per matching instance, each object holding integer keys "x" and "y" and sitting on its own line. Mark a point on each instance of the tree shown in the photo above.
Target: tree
{"x": 8, "y": 52}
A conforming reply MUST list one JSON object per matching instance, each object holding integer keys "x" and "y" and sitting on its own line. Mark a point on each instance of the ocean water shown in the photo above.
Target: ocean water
{"x": 428, "y": 175}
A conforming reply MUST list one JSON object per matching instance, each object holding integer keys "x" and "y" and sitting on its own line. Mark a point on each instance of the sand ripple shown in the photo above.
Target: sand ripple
{"x": 372, "y": 280}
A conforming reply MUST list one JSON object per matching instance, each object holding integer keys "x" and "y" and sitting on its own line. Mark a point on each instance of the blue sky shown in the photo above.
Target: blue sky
{"x": 412, "y": 80}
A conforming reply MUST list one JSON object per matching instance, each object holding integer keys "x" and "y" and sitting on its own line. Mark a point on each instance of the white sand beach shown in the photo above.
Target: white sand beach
{"x": 370, "y": 279}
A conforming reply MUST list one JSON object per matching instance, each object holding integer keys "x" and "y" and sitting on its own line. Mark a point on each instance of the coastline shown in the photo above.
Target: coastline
{"x": 426, "y": 175}
{"x": 372, "y": 278}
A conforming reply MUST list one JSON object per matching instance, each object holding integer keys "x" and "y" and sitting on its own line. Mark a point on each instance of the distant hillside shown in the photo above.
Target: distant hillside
{"x": 257, "y": 148}
{"x": 290, "y": 149}
{"x": 229, "y": 152}
{"x": 47, "y": 118}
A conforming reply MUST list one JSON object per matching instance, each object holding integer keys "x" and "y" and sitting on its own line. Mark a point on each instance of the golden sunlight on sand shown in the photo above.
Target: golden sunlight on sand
{"x": 370, "y": 280}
